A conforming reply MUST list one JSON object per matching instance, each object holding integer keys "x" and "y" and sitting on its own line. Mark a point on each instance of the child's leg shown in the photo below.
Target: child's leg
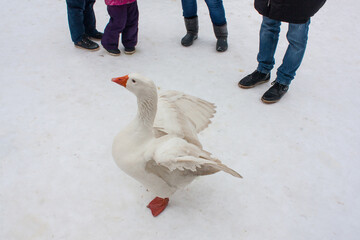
{"x": 118, "y": 18}
{"x": 129, "y": 35}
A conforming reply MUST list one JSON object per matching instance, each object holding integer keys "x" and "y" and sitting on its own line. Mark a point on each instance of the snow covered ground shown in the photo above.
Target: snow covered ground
{"x": 60, "y": 111}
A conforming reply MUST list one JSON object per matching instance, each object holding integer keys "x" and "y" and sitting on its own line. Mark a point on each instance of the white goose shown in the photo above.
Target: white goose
{"x": 160, "y": 147}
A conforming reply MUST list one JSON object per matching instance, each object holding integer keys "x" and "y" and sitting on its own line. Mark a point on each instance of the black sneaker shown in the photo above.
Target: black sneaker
{"x": 275, "y": 92}
{"x": 114, "y": 52}
{"x": 86, "y": 43}
{"x": 96, "y": 36}
{"x": 254, "y": 79}
{"x": 192, "y": 29}
{"x": 130, "y": 50}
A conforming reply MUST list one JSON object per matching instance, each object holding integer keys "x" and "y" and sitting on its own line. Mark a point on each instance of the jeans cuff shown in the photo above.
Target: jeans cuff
{"x": 262, "y": 70}
{"x": 283, "y": 82}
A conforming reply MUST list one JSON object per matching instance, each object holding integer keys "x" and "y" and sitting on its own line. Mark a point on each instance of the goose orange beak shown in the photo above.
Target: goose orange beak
{"x": 121, "y": 80}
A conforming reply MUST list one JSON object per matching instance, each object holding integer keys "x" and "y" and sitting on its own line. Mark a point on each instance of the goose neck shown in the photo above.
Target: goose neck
{"x": 147, "y": 108}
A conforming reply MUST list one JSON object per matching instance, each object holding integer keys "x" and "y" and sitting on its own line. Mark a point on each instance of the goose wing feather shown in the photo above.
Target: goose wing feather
{"x": 183, "y": 115}
{"x": 175, "y": 157}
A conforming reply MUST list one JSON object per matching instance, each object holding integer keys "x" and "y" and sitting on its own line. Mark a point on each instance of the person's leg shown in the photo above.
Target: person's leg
{"x": 89, "y": 18}
{"x": 269, "y": 36}
{"x": 297, "y": 36}
{"x": 189, "y": 8}
{"x": 217, "y": 12}
{"x": 117, "y": 22}
{"x": 191, "y": 22}
{"x": 129, "y": 36}
{"x": 217, "y": 15}
{"x": 75, "y": 10}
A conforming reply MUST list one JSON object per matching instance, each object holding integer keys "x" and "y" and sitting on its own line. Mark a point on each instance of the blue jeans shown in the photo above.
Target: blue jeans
{"x": 81, "y": 18}
{"x": 297, "y": 36}
{"x": 216, "y": 10}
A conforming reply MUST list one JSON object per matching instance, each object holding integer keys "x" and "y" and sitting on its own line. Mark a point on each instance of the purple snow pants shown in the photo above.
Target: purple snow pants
{"x": 123, "y": 19}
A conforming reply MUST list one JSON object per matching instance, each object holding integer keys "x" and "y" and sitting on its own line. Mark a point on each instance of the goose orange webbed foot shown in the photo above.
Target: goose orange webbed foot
{"x": 157, "y": 205}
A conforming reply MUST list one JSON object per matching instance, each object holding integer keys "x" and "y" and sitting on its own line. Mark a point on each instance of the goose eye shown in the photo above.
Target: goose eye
{"x": 133, "y": 81}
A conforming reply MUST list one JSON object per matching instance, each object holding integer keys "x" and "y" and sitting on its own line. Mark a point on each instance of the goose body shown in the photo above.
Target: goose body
{"x": 160, "y": 147}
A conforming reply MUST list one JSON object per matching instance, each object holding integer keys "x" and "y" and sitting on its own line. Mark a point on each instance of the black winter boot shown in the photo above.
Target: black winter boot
{"x": 254, "y": 79}
{"x": 221, "y": 34}
{"x": 192, "y": 28}
{"x": 274, "y": 93}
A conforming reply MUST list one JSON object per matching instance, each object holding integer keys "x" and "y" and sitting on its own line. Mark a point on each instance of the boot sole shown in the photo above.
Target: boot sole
{"x": 246, "y": 87}
{"x": 269, "y": 102}
{"x": 130, "y": 53}
{"x": 114, "y": 54}
{"x": 93, "y": 50}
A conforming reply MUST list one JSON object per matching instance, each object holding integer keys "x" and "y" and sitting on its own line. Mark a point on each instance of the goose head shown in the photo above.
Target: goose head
{"x": 146, "y": 93}
{"x": 139, "y": 85}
